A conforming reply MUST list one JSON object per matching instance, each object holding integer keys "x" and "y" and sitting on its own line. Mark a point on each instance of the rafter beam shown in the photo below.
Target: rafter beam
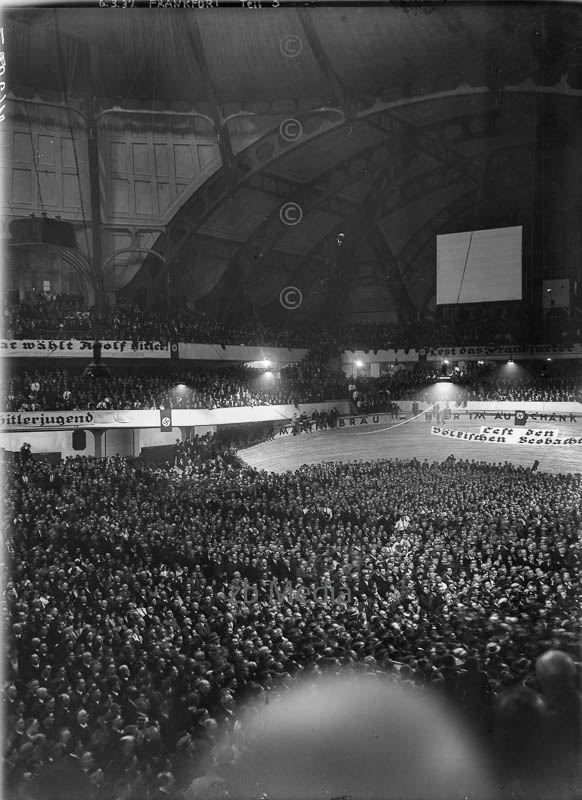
{"x": 359, "y": 224}
{"x": 448, "y": 156}
{"x": 450, "y": 213}
{"x": 320, "y": 193}
{"x": 199, "y": 205}
{"x": 391, "y": 274}
{"x": 322, "y": 59}
{"x": 428, "y": 143}
{"x": 335, "y": 259}
{"x": 220, "y": 126}
{"x": 284, "y": 189}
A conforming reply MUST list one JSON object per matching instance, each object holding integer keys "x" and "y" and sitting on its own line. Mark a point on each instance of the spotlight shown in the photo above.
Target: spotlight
{"x": 266, "y": 363}
{"x": 359, "y": 363}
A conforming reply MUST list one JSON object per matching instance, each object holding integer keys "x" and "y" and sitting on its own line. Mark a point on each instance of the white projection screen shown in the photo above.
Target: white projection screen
{"x": 479, "y": 266}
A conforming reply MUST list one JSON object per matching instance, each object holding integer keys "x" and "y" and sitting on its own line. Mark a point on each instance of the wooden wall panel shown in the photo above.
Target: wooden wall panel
{"x": 48, "y": 189}
{"x": 158, "y": 171}
{"x": 45, "y": 158}
{"x": 22, "y": 186}
{"x": 22, "y": 152}
{"x": 207, "y": 156}
{"x": 163, "y": 195}
{"x": 46, "y": 150}
{"x": 140, "y": 158}
{"x": 117, "y": 157}
{"x": 119, "y": 196}
{"x": 71, "y": 191}
{"x": 143, "y": 198}
{"x": 183, "y": 166}
{"x": 145, "y": 167}
{"x": 161, "y": 160}
{"x": 67, "y": 153}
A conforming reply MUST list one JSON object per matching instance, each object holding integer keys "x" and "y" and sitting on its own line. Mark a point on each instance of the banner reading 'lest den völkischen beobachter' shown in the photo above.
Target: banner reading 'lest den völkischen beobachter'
{"x": 491, "y": 435}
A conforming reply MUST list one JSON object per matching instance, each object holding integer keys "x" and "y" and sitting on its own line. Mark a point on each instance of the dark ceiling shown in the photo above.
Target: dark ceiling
{"x": 403, "y": 121}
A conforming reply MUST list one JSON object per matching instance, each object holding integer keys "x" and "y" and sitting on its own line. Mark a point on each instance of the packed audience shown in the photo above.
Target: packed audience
{"x": 68, "y": 316}
{"x": 523, "y": 382}
{"x": 59, "y": 389}
{"x": 312, "y": 380}
{"x": 48, "y": 387}
{"x": 148, "y": 604}
{"x": 531, "y": 382}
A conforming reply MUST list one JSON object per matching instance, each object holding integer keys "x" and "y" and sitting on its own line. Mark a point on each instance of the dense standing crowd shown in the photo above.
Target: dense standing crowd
{"x": 147, "y": 605}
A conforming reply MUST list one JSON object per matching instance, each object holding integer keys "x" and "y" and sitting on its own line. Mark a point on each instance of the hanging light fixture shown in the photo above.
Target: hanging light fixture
{"x": 97, "y": 369}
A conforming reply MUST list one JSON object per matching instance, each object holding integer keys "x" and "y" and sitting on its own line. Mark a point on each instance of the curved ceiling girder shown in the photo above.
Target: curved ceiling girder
{"x": 471, "y": 95}
{"x": 423, "y": 185}
{"x": 336, "y": 179}
{"x": 260, "y": 154}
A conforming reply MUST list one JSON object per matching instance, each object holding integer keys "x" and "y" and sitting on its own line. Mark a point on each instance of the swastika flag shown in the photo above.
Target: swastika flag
{"x": 165, "y": 419}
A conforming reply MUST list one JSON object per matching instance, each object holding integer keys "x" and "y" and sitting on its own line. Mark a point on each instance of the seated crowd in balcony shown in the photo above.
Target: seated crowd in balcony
{"x": 526, "y": 382}
{"x": 68, "y": 316}
{"x": 310, "y": 381}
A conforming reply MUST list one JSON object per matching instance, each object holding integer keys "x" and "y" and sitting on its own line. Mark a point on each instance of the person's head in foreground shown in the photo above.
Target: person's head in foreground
{"x": 358, "y": 738}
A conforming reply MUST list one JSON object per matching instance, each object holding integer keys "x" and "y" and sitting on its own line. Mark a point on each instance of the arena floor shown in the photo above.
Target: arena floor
{"x": 412, "y": 438}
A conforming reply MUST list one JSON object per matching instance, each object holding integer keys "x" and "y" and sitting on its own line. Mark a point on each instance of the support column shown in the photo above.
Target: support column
{"x": 185, "y": 431}
{"x": 98, "y": 436}
{"x": 94, "y": 183}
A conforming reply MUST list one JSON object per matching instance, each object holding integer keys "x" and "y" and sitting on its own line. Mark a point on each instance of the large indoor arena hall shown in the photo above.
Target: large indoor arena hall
{"x": 291, "y": 400}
